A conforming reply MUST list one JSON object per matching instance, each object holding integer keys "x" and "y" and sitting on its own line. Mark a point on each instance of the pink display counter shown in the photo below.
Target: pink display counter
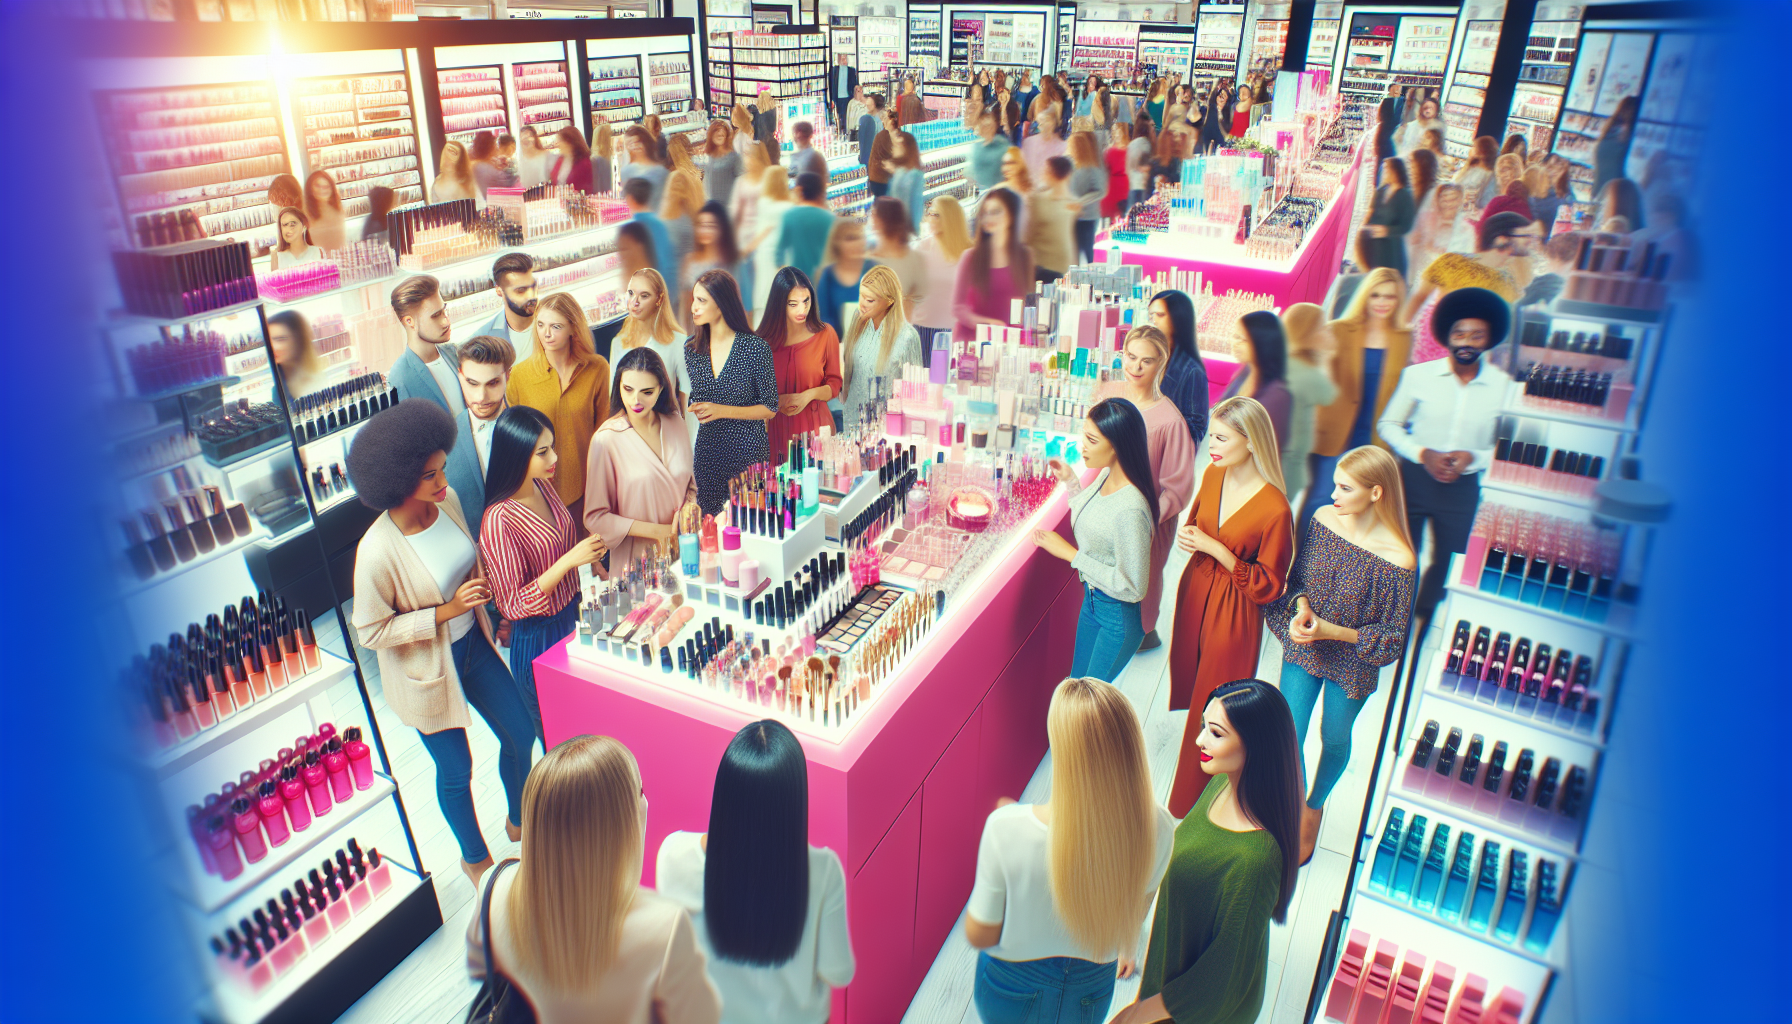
{"x": 1305, "y": 278}
{"x": 902, "y": 795}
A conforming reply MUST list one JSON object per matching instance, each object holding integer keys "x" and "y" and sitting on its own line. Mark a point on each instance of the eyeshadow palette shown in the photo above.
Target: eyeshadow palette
{"x": 859, "y": 618}
{"x": 925, "y": 553}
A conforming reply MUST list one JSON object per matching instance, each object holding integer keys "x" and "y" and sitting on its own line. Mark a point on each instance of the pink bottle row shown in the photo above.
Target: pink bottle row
{"x": 271, "y": 940}
{"x": 263, "y": 808}
{"x": 1371, "y": 990}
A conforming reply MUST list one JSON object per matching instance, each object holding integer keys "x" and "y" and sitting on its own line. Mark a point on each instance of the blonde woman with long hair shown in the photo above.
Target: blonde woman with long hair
{"x": 678, "y": 211}
{"x": 1240, "y": 536}
{"x": 879, "y": 340}
{"x": 603, "y": 159}
{"x": 1063, "y": 886}
{"x": 1310, "y": 386}
{"x": 1372, "y": 344}
{"x": 774, "y": 202}
{"x": 947, "y": 239}
{"x": 572, "y": 926}
{"x": 455, "y": 181}
{"x": 1346, "y": 614}
{"x": 652, "y": 323}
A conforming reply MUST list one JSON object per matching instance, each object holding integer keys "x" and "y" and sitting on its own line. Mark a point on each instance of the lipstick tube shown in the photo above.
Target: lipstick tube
{"x": 307, "y": 638}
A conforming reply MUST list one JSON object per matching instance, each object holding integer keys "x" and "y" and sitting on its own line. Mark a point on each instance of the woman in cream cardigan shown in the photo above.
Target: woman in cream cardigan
{"x": 420, "y": 596}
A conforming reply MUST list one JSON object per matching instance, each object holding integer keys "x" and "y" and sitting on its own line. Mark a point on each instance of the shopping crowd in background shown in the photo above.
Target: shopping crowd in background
{"x": 757, "y": 314}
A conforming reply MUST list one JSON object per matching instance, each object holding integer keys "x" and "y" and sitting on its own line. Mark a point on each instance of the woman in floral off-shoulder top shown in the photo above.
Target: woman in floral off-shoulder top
{"x": 1346, "y": 613}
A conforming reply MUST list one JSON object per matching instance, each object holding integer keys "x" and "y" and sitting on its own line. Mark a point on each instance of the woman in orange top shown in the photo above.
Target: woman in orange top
{"x": 1241, "y": 536}
{"x": 805, "y": 357}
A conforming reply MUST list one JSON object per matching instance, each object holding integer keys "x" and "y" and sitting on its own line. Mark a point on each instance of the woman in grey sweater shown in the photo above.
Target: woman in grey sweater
{"x": 1112, "y": 520}
{"x": 1089, "y": 182}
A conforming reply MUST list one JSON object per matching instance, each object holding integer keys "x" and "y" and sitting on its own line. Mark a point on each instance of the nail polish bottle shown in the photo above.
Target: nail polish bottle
{"x": 240, "y": 689}
{"x": 1487, "y": 878}
{"x": 247, "y": 823}
{"x": 379, "y": 873}
{"x": 1451, "y": 679}
{"x": 1548, "y": 911}
{"x": 205, "y": 710}
{"x": 1464, "y": 790}
{"x": 137, "y": 552}
{"x": 1518, "y": 885}
{"x": 292, "y": 793}
{"x": 273, "y": 813}
{"x": 161, "y": 550}
{"x": 1431, "y": 874}
{"x": 1443, "y": 774}
{"x": 289, "y": 648}
{"x": 1451, "y": 904}
{"x": 222, "y": 841}
{"x": 307, "y": 638}
{"x": 1487, "y": 800}
{"x": 1414, "y": 778}
{"x": 1406, "y": 867}
{"x": 336, "y": 765}
{"x": 1381, "y": 872}
{"x": 360, "y": 758}
{"x": 317, "y": 784}
{"x": 217, "y": 519}
{"x": 203, "y": 538}
{"x": 178, "y": 535}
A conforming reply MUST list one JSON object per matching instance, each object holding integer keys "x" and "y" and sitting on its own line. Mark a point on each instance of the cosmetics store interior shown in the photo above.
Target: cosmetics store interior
{"x": 876, "y": 588}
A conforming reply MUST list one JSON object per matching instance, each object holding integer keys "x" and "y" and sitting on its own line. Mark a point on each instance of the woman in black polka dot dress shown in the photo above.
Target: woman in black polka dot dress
{"x": 734, "y": 389}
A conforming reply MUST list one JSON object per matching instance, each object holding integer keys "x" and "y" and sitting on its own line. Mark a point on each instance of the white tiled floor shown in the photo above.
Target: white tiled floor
{"x": 431, "y": 986}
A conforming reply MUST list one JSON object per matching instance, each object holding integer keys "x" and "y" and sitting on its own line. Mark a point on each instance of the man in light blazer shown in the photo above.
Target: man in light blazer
{"x": 426, "y": 368}
{"x": 482, "y": 366}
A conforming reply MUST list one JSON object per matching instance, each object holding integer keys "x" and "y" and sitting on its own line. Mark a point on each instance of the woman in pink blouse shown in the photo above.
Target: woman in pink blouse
{"x": 638, "y": 473}
{"x": 531, "y": 551}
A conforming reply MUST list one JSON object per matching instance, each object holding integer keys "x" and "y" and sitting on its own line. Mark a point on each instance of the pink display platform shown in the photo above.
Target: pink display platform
{"x": 1307, "y": 279}
{"x": 902, "y": 798}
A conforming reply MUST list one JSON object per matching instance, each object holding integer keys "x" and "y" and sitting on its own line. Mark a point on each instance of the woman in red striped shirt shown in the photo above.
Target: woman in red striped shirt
{"x": 531, "y": 551}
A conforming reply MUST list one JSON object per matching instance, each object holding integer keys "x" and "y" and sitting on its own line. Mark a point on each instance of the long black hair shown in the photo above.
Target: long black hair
{"x": 774, "y": 319}
{"x": 644, "y": 360}
{"x": 756, "y": 873}
{"x": 1182, "y": 324}
{"x": 1269, "y": 346}
{"x": 514, "y": 439}
{"x": 1270, "y": 782}
{"x": 1124, "y": 426}
{"x": 1020, "y": 258}
{"x": 725, "y": 244}
{"x": 725, "y": 293}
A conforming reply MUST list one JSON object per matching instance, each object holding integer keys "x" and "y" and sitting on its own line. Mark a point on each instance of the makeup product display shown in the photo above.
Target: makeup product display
{"x": 1539, "y": 792}
{"x": 1537, "y": 466}
{"x": 182, "y": 359}
{"x": 1558, "y": 564}
{"x": 342, "y": 268}
{"x": 613, "y": 89}
{"x": 185, "y": 278}
{"x": 543, "y": 101}
{"x": 472, "y": 101}
{"x": 185, "y": 520}
{"x": 272, "y": 939}
{"x": 340, "y": 405}
{"x": 1377, "y": 980}
{"x": 362, "y": 130}
{"x": 1524, "y": 678}
{"x": 1612, "y": 271}
{"x": 241, "y": 427}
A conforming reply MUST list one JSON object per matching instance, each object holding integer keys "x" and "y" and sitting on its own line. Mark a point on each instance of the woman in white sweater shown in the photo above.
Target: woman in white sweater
{"x": 769, "y": 909}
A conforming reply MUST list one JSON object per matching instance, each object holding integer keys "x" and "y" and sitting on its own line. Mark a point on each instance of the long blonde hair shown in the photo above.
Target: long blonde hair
{"x": 683, "y": 198}
{"x": 740, "y": 119}
{"x": 662, "y": 328}
{"x": 882, "y": 281}
{"x": 1373, "y": 467}
{"x": 456, "y": 169}
{"x": 953, "y": 236}
{"x": 842, "y": 226}
{"x": 775, "y": 183}
{"x": 1101, "y": 843}
{"x": 1357, "y": 312}
{"x": 602, "y": 141}
{"x": 584, "y": 348}
{"x": 1248, "y": 417}
{"x": 1155, "y": 338}
{"x": 1308, "y": 340}
{"x": 582, "y": 846}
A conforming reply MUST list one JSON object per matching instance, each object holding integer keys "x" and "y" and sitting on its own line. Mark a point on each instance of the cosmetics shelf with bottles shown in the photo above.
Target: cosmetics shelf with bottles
{"x": 194, "y": 162}
{"x": 362, "y": 130}
{"x": 1468, "y": 86}
{"x": 543, "y": 96}
{"x": 843, "y": 39}
{"x": 672, "y": 93}
{"x": 1218, "y": 37}
{"x": 1170, "y": 48}
{"x": 1269, "y": 41}
{"x": 721, "y": 19}
{"x": 1542, "y": 81}
{"x": 1106, "y": 46}
{"x": 613, "y": 89}
{"x": 924, "y": 37}
{"x": 881, "y": 44}
{"x": 473, "y": 101}
{"x": 1322, "y": 44}
{"x": 1394, "y": 964}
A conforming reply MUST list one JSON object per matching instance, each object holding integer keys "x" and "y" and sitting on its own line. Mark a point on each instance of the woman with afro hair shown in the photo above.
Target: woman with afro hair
{"x": 420, "y": 596}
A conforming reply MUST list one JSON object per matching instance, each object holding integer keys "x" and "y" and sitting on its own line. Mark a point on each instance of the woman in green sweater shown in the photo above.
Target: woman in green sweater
{"x": 1228, "y": 876}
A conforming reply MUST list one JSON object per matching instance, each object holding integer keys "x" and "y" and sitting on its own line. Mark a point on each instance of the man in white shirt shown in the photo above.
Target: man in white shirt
{"x": 425, "y": 369}
{"x": 513, "y": 278}
{"x": 1440, "y": 421}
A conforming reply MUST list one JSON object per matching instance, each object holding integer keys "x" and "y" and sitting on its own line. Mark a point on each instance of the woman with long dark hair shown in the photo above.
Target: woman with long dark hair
{"x": 1387, "y": 122}
{"x": 712, "y": 245}
{"x": 805, "y": 359}
{"x": 995, "y": 271}
{"x": 1390, "y": 216}
{"x": 295, "y": 247}
{"x": 1614, "y": 145}
{"x": 323, "y": 207}
{"x": 572, "y": 164}
{"x": 1262, "y": 353}
{"x": 1185, "y": 379}
{"x": 639, "y": 474}
{"x": 531, "y": 545}
{"x": 769, "y": 909}
{"x": 1233, "y": 869}
{"x": 1112, "y": 520}
{"x": 734, "y": 388}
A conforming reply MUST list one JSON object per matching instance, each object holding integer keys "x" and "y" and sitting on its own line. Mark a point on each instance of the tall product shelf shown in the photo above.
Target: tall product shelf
{"x": 1542, "y": 80}
{"x": 361, "y": 129}
{"x": 1106, "y": 47}
{"x": 194, "y": 162}
{"x": 672, "y": 92}
{"x": 1218, "y": 36}
{"x": 721, "y": 20}
{"x": 1322, "y": 44}
{"x": 1467, "y": 94}
{"x": 543, "y": 96}
{"x": 1269, "y": 41}
{"x": 1486, "y": 789}
{"x": 790, "y": 64}
{"x": 472, "y": 102}
{"x": 1170, "y": 47}
{"x": 843, "y": 39}
{"x": 924, "y": 38}
{"x": 882, "y": 44}
{"x": 613, "y": 89}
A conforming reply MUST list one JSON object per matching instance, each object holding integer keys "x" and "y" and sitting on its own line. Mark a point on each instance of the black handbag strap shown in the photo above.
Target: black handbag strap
{"x": 485, "y": 914}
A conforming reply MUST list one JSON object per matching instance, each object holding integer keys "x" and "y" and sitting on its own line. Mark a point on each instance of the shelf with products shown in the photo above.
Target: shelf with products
{"x": 473, "y": 101}
{"x": 881, "y": 44}
{"x": 330, "y": 671}
{"x": 1269, "y": 42}
{"x": 1172, "y": 51}
{"x": 1419, "y": 967}
{"x": 1322, "y": 43}
{"x": 196, "y": 160}
{"x": 543, "y": 96}
{"x": 362, "y": 130}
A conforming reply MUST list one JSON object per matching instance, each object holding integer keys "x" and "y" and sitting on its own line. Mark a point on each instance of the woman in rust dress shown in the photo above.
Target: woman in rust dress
{"x": 1240, "y": 535}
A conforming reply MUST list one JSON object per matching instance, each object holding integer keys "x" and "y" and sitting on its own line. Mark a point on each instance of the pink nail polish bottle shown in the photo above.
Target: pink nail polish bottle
{"x": 336, "y": 765}
{"x": 379, "y": 873}
{"x": 223, "y": 846}
{"x": 317, "y": 784}
{"x": 247, "y": 822}
{"x": 292, "y": 793}
{"x": 360, "y": 758}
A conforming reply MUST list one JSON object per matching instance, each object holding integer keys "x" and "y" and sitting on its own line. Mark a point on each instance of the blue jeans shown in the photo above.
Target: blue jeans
{"x": 529, "y": 638}
{"x": 1057, "y": 988}
{"x": 488, "y": 686}
{"x": 1301, "y": 689}
{"x": 1107, "y": 636}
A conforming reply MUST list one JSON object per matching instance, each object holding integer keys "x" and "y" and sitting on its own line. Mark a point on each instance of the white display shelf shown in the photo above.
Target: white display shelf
{"x": 210, "y": 893}
{"x": 1434, "y": 690}
{"x": 1515, "y": 948}
{"x": 256, "y": 534}
{"x": 231, "y": 1001}
{"x": 1627, "y": 425}
{"x": 1618, "y": 625}
{"x": 1573, "y": 500}
{"x": 1476, "y": 820}
{"x": 330, "y": 671}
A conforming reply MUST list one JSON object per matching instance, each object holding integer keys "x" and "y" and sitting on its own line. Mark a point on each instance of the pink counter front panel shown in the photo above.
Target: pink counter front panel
{"x": 902, "y": 798}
